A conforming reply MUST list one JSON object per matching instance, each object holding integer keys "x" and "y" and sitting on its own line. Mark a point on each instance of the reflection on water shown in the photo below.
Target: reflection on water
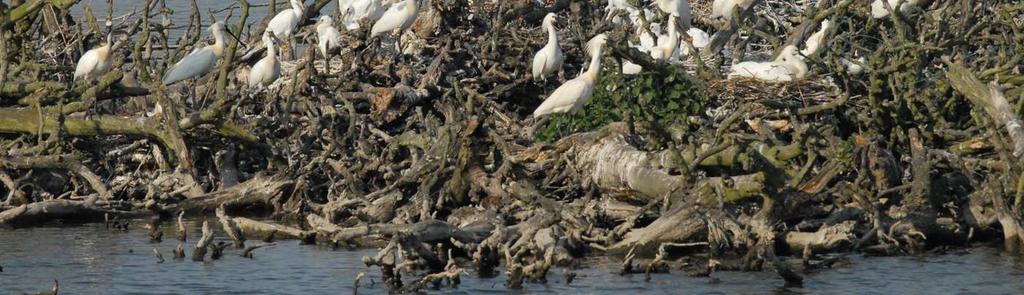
{"x": 92, "y": 260}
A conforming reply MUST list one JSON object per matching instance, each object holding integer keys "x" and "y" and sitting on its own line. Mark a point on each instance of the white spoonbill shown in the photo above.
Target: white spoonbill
{"x": 548, "y": 59}
{"x": 328, "y": 39}
{"x": 575, "y": 93}
{"x": 266, "y": 71}
{"x": 679, "y": 8}
{"x": 200, "y": 61}
{"x": 356, "y": 10}
{"x": 399, "y": 18}
{"x": 788, "y": 67}
{"x": 698, "y": 38}
{"x": 284, "y": 24}
{"x": 95, "y": 62}
{"x": 667, "y": 44}
{"x": 878, "y": 7}
{"x": 723, "y": 8}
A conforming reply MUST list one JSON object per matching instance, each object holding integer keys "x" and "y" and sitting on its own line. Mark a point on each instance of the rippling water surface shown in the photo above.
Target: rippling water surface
{"x": 90, "y": 259}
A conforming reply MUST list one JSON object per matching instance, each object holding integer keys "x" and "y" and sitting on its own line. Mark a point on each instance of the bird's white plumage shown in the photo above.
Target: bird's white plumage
{"x": 549, "y": 58}
{"x": 357, "y": 10}
{"x": 854, "y": 68}
{"x": 575, "y": 93}
{"x": 399, "y": 17}
{"x": 667, "y": 44}
{"x": 679, "y": 8}
{"x": 94, "y": 62}
{"x": 878, "y": 7}
{"x": 268, "y": 69}
{"x": 788, "y": 67}
{"x": 723, "y": 8}
{"x": 328, "y": 37}
{"x": 284, "y": 23}
{"x": 814, "y": 44}
{"x": 200, "y": 61}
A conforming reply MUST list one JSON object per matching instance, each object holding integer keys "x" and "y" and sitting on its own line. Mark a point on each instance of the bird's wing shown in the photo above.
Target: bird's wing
{"x": 193, "y": 65}
{"x": 765, "y": 71}
{"x": 259, "y": 71}
{"x": 539, "y": 60}
{"x": 563, "y": 98}
{"x": 392, "y": 19}
{"x": 87, "y": 63}
{"x": 281, "y": 22}
{"x": 700, "y": 38}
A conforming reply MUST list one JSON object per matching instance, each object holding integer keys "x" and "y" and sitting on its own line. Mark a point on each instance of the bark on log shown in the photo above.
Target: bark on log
{"x": 64, "y": 210}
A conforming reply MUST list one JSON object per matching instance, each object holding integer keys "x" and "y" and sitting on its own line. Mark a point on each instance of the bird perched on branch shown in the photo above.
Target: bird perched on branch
{"x": 548, "y": 59}
{"x": 789, "y": 66}
{"x": 268, "y": 69}
{"x": 667, "y": 44}
{"x": 575, "y": 93}
{"x": 285, "y": 23}
{"x": 200, "y": 61}
{"x": 95, "y": 62}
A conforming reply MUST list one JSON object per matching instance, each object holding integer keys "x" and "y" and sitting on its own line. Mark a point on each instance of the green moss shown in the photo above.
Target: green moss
{"x": 654, "y": 101}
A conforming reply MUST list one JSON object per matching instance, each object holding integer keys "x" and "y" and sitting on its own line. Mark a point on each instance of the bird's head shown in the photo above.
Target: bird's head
{"x": 550, "y": 19}
{"x": 596, "y": 43}
{"x": 325, "y": 20}
{"x": 217, "y": 27}
{"x": 790, "y": 56}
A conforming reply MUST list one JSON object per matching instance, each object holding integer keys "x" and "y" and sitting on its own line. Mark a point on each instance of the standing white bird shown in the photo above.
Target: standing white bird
{"x": 723, "y": 8}
{"x": 200, "y": 61}
{"x": 284, "y": 24}
{"x": 399, "y": 18}
{"x": 788, "y": 67}
{"x": 667, "y": 44}
{"x": 548, "y": 59}
{"x": 268, "y": 69}
{"x": 878, "y": 7}
{"x": 814, "y": 44}
{"x": 356, "y": 10}
{"x": 679, "y": 8}
{"x": 575, "y": 93}
{"x": 328, "y": 38}
{"x": 95, "y": 62}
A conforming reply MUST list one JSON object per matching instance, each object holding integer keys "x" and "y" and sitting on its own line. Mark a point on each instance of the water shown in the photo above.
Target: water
{"x": 183, "y": 10}
{"x": 90, "y": 259}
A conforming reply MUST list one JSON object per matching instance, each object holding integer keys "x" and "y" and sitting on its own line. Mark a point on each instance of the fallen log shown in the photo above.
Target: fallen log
{"x": 63, "y": 210}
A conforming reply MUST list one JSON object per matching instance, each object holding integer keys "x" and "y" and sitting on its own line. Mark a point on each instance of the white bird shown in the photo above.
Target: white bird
{"x": 788, "y": 67}
{"x": 548, "y": 59}
{"x": 328, "y": 38}
{"x": 679, "y": 8}
{"x": 399, "y": 18}
{"x": 268, "y": 69}
{"x": 813, "y": 44}
{"x": 200, "y": 61}
{"x": 854, "y": 68}
{"x": 646, "y": 45}
{"x": 575, "y": 93}
{"x": 356, "y": 10}
{"x": 284, "y": 23}
{"x": 698, "y": 38}
{"x": 95, "y": 62}
{"x": 723, "y": 8}
{"x": 878, "y": 7}
{"x": 667, "y": 44}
